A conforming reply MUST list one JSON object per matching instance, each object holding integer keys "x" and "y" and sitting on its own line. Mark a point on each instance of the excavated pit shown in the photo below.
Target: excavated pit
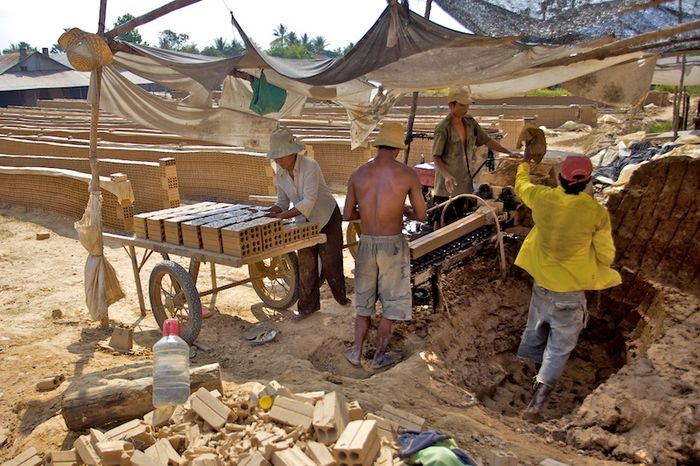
{"x": 631, "y": 387}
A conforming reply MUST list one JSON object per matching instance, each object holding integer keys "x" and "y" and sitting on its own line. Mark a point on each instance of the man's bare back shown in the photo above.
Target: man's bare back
{"x": 377, "y": 195}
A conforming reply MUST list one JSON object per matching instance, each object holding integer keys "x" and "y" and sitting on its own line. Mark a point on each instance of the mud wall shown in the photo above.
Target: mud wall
{"x": 656, "y": 220}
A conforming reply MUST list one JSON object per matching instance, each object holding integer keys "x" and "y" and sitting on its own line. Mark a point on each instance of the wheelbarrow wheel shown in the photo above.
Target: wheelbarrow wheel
{"x": 352, "y": 237}
{"x": 174, "y": 295}
{"x": 276, "y": 280}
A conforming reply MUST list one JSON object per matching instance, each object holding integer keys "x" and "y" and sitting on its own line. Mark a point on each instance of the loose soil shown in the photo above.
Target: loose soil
{"x": 629, "y": 393}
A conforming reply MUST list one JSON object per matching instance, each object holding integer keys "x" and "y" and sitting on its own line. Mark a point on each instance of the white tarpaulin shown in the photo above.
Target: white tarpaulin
{"x": 402, "y": 52}
{"x": 237, "y": 94}
{"x": 521, "y": 82}
{"x": 624, "y": 84}
{"x": 668, "y": 71}
{"x": 220, "y": 125}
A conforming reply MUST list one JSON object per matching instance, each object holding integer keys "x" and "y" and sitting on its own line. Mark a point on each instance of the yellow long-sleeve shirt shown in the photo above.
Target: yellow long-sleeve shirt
{"x": 570, "y": 248}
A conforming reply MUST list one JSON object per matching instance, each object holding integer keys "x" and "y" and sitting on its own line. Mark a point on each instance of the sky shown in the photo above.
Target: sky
{"x": 41, "y": 22}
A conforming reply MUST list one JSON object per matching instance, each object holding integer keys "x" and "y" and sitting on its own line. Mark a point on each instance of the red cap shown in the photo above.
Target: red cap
{"x": 576, "y": 168}
{"x": 171, "y": 327}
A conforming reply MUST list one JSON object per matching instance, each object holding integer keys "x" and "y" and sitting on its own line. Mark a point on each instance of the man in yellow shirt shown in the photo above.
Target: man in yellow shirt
{"x": 569, "y": 250}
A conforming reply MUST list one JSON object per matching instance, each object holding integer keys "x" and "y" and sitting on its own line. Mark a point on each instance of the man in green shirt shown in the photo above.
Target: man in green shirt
{"x": 454, "y": 152}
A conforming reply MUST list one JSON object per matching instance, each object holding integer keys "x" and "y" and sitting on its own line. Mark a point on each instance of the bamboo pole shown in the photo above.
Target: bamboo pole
{"x": 150, "y": 16}
{"x": 623, "y": 46}
{"x": 414, "y": 104}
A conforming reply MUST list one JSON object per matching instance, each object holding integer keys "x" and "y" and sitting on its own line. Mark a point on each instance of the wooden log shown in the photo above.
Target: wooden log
{"x": 122, "y": 400}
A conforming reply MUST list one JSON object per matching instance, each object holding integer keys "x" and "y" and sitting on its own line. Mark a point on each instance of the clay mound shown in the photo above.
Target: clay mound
{"x": 656, "y": 220}
{"x": 648, "y": 411}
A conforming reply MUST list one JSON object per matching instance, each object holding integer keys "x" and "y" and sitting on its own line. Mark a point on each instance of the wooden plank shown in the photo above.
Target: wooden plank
{"x": 446, "y": 234}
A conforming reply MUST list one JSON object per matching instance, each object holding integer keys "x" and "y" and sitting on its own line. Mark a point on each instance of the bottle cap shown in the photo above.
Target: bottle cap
{"x": 265, "y": 402}
{"x": 171, "y": 327}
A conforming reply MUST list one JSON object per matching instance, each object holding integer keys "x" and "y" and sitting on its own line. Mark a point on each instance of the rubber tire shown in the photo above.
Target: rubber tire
{"x": 287, "y": 301}
{"x": 189, "y": 328}
{"x": 352, "y": 237}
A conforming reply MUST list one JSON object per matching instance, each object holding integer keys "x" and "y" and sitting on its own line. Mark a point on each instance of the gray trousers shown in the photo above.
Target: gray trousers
{"x": 554, "y": 322}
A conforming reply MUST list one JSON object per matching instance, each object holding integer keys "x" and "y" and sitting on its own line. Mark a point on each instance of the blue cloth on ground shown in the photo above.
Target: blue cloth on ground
{"x": 412, "y": 441}
{"x": 432, "y": 448}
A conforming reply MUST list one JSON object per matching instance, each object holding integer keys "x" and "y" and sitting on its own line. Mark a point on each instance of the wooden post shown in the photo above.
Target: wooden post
{"x": 95, "y": 82}
{"x": 679, "y": 93}
{"x": 414, "y": 104}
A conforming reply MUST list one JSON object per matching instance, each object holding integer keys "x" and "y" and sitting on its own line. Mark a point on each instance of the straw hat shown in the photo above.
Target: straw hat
{"x": 391, "y": 135}
{"x": 283, "y": 143}
{"x": 461, "y": 95}
{"x": 85, "y": 51}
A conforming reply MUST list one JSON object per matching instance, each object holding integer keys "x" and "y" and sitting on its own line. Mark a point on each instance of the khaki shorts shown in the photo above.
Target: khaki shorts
{"x": 383, "y": 272}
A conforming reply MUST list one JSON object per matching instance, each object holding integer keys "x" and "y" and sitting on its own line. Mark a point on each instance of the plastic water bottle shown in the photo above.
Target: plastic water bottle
{"x": 171, "y": 367}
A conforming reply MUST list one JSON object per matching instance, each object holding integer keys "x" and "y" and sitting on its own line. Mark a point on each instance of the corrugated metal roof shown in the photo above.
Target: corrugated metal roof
{"x": 44, "y": 80}
{"x": 62, "y": 58}
{"x": 24, "y": 80}
{"x": 8, "y": 61}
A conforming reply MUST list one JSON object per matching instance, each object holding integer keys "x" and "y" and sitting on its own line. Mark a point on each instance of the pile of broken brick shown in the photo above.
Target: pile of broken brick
{"x": 310, "y": 428}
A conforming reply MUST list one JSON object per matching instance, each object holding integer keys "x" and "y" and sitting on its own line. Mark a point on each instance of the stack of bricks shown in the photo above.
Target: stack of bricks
{"x": 235, "y": 229}
{"x": 309, "y": 428}
{"x": 55, "y": 191}
{"x": 227, "y": 174}
{"x": 154, "y": 184}
{"x": 337, "y": 160}
{"x": 511, "y": 129}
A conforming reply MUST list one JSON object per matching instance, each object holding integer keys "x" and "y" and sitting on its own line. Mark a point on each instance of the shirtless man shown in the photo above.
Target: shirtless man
{"x": 376, "y": 195}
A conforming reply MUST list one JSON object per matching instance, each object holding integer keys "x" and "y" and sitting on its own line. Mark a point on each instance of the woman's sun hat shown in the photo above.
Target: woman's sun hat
{"x": 283, "y": 143}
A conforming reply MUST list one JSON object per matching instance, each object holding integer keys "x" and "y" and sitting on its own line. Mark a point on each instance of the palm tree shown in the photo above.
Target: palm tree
{"x": 306, "y": 41}
{"x": 281, "y": 33}
{"x": 318, "y": 44}
{"x": 220, "y": 45}
{"x": 292, "y": 38}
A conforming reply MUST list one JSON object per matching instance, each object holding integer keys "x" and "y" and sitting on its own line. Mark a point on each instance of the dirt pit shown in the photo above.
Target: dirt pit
{"x": 478, "y": 339}
{"x": 629, "y": 393}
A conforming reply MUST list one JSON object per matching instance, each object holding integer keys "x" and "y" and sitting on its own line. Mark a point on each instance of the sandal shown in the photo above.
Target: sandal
{"x": 263, "y": 337}
{"x": 297, "y": 315}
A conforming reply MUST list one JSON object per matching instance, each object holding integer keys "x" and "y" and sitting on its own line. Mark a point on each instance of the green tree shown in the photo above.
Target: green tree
{"x": 189, "y": 48}
{"x": 55, "y": 48}
{"x": 221, "y": 48}
{"x": 132, "y": 36}
{"x": 290, "y": 51}
{"x": 14, "y": 48}
{"x": 292, "y": 38}
{"x": 171, "y": 40}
